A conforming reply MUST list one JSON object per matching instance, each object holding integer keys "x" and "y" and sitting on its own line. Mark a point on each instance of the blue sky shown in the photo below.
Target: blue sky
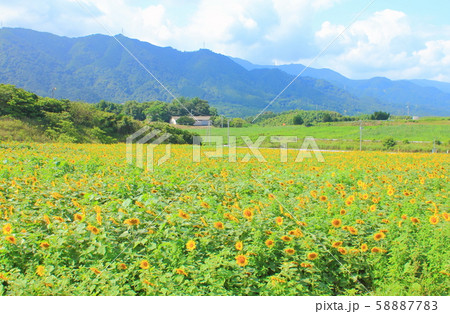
{"x": 398, "y": 39}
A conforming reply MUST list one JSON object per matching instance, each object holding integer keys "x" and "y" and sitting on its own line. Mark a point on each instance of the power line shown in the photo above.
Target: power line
{"x": 317, "y": 57}
{"x": 135, "y": 58}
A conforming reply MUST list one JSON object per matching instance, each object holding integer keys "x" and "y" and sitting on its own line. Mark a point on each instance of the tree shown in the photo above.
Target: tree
{"x": 109, "y": 107}
{"x": 389, "y": 143}
{"x": 52, "y": 105}
{"x": 198, "y": 107}
{"x": 380, "y": 115}
{"x": 237, "y": 123}
{"x": 134, "y": 109}
{"x": 185, "y": 120}
{"x": 218, "y": 121}
{"x": 18, "y": 102}
{"x": 195, "y": 106}
{"x": 298, "y": 120}
{"x": 327, "y": 117}
{"x": 158, "y": 111}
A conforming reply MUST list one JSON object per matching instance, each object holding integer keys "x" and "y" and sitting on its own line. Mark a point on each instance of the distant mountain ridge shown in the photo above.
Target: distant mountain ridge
{"x": 96, "y": 67}
{"x": 411, "y": 93}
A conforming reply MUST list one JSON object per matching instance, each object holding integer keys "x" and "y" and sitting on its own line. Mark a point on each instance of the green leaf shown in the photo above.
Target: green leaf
{"x": 127, "y": 202}
{"x": 101, "y": 250}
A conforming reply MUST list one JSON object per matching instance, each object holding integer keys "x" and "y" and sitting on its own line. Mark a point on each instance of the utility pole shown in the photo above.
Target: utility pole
{"x": 228, "y": 131}
{"x": 408, "y": 109}
{"x": 53, "y": 92}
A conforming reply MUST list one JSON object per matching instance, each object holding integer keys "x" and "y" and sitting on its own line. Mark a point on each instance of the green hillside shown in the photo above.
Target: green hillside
{"x": 26, "y": 117}
{"x": 96, "y": 67}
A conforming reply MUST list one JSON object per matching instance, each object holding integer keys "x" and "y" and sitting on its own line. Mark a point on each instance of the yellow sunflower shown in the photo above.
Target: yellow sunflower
{"x": 44, "y": 245}
{"x": 183, "y": 215}
{"x": 241, "y": 260}
{"x": 122, "y": 266}
{"x": 93, "y": 229}
{"x": 181, "y": 271}
{"x": 337, "y": 244}
{"x": 132, "y": 222}
{"x": 290, "y": 251}
{"x": 78, "y": 217}
{"x": 286, "y": 238}
{"x": 7, "y": 229}
{"x": 270, "y": 243}
{"x": 378, "y": 236}
{"x": 364, "y": 247}
{"x": 40, "y": 270}
{"x": 191, "y": 245}
{"x": 144, "y": 264}
{"x": 11, "y": 239}
{"x": 434, "y": 220}
{"x": 306, "y": 265}
{"x": 248, "y": 214}
{"x": 376, "y": 250}
{"x": 336, "y": 223}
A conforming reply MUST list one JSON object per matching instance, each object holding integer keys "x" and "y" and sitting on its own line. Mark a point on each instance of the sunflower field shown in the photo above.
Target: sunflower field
{"x": 76, "y": 219}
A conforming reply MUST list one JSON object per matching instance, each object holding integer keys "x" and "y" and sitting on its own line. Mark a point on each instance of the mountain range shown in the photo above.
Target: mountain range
{"x": 97, "y": 67}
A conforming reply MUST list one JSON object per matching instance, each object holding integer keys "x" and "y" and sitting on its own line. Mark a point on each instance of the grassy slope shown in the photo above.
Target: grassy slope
{"x": 347, "y": 134}
{"x": 16, "y": 130}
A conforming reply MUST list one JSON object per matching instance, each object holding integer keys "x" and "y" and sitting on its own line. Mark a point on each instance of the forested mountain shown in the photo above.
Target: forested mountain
{"x": 96, "y": 67}
{"x": 424, "y": 97}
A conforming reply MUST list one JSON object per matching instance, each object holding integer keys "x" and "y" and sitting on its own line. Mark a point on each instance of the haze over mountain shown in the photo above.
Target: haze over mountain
{"x": 96, "y": 67}
{"x": 415, "y": 93}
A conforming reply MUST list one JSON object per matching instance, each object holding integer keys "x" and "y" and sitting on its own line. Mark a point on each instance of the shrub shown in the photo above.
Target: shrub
{"x": 327, "y": 118}
{"x": 298, "y": 120}
{"x": 380, "y": 115}
{"x": 308, "y": 124}
{"x": 389, "y": 143}
{"x": 185, "y": 120}
{"x": 238, "y": 123}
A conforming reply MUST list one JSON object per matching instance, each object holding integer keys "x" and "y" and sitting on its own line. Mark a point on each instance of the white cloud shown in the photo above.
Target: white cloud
{"x": 384, "y": 44}
{"x": 324, "y": 4}
{"x": 254, "y": 29}
{"x": 436, "y": 53}
{"x": 434, "y": 60}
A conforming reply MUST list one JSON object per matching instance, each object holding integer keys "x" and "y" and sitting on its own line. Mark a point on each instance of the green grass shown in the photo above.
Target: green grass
{"x": 347, "y": 134}
{"x": 16, "y": 130}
